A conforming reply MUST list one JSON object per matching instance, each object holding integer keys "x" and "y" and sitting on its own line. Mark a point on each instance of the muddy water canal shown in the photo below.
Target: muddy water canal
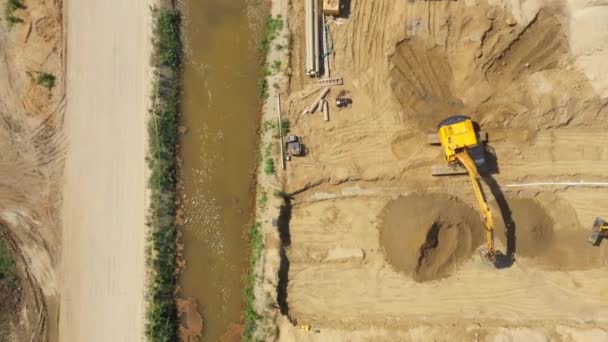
{"x": 220, "y": 110}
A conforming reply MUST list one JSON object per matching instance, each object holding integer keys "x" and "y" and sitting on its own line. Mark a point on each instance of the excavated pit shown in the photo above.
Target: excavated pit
{"x": 485, "y": 65}
{"x": 429, "y": 236}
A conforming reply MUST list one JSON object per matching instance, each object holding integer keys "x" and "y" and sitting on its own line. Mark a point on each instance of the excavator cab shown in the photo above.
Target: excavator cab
{"x": 456, "y": 134}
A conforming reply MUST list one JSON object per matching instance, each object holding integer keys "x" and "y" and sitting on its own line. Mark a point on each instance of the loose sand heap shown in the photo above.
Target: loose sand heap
{"x": 541, "y": 245}
{"x": 428, "y": 236}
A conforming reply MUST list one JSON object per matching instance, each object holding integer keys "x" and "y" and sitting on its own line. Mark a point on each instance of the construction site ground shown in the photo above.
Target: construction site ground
{"x": 31, "y": 162}
{"x": 533, "y": 75}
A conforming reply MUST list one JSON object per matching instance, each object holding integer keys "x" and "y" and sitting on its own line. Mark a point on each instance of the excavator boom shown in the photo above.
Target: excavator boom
{"x": 465, "y": 159}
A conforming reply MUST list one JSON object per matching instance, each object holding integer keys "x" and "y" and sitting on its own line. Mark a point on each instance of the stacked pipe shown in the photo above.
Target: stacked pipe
{"x": 312, "y": 36}
{"x": 308, "y": 28}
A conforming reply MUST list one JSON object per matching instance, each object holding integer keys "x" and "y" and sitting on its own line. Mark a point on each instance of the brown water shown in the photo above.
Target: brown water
{"x": 220, "y": 109}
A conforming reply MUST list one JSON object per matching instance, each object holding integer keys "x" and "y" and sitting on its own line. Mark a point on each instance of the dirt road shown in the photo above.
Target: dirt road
{"x": 104, "y": 195}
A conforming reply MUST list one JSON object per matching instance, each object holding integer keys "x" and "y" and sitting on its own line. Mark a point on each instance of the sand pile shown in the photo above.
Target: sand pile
{"x": 538, "y": 242}
{"x": 428, "y": 236}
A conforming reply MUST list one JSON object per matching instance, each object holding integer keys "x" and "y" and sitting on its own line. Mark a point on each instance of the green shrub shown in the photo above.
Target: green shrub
{"x": 272, "y": 27}
{"x": 262, "y": 199}
{"x": 256, "y": 241}
{"x": 285, "y": 128}
{"x": 9, "y": 11}
{"x": 268, "y": 125}
{"x": 276, "y": 66}
{"x": 263, "y": 88}
{"x": 46, "y": 80}
{"x": 269, "y": 166}
{"x": 167, "y": 37}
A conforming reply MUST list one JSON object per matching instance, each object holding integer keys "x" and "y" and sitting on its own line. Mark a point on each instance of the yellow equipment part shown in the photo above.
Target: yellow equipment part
{"x": 455, "y": 137}
{"x": 468, "y": 163}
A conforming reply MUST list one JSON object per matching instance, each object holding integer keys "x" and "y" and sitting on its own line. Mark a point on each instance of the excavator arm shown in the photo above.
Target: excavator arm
{"x": 468, "y": 163}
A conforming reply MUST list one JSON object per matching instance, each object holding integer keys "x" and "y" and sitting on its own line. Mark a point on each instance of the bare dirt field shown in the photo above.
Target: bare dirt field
{"x": 375, "y": 248}
{"x": 104, "y": 208}
{"x": 31, "y": 161}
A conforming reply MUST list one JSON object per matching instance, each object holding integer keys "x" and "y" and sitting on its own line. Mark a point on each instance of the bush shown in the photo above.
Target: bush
{"x": 251, "y": 316}
{"x": 263, "y": 88}
{"x": 272, "y": 27}
{"x": 167, "y": 37}
{"x": 269, "y": 166}
{"x": 46, "y": 80}
{"x": 276, "y": 66}
{"x": 262, "y": 199}
{"x": 9, "y": 11}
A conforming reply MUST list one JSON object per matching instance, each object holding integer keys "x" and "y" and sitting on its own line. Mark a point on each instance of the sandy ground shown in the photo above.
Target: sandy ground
{"x": 528, "y": 73}
{"x": 102, "y": 283}
{"x": 31, "y": 159}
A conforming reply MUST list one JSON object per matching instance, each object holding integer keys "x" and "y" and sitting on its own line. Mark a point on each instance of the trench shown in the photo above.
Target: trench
{"x": 220, "y": 110}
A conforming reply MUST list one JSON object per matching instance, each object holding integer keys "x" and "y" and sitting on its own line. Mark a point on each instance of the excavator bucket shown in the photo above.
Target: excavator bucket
{"x": 597, "y": 231}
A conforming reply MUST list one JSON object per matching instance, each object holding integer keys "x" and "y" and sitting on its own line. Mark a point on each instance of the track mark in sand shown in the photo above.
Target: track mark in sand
{"x": 420, "y": 79}
{"x": 536, "y": 47}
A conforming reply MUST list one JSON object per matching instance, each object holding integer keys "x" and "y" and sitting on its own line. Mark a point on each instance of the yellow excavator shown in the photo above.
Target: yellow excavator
{"x": 464, "y": 152}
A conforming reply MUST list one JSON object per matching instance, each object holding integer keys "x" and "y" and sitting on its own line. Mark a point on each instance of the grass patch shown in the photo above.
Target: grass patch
{"x": 162, "y": 321}
{"x": 276, "y": 66}
{"x": 167, "y": 39}
{"x": 269, "y": 168}
{"x": 256, "y": 241}
{"x": 9, "y": 285}
{"x": 8, "y": 272}
{"x": 268, "y": 125}
{"x": 285, "y": 128}
{"x": 46, "y": 80}
{"x": 272, "y": 27}
{"x": 262, "y": 199}
{"x": 263, "y": 88}
{"x": 268, "y": 150}
{"x": 9, "y": 12}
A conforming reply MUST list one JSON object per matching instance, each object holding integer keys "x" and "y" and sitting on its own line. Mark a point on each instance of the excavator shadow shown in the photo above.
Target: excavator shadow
{"x": 506, "y": 259}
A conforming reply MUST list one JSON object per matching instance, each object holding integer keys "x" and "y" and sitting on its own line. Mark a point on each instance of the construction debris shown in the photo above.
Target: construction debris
{"x": 330, "y": 81}
{"x": 331, "y": 7}
{"x": 313, "y": 107}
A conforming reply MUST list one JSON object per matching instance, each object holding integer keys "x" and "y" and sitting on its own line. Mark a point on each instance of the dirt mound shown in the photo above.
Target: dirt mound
{"x": 544, "y": 246}
{"x": 483, "y": 63}
{"x": 428, "y": 236}
{"x": 533, "y": 228}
